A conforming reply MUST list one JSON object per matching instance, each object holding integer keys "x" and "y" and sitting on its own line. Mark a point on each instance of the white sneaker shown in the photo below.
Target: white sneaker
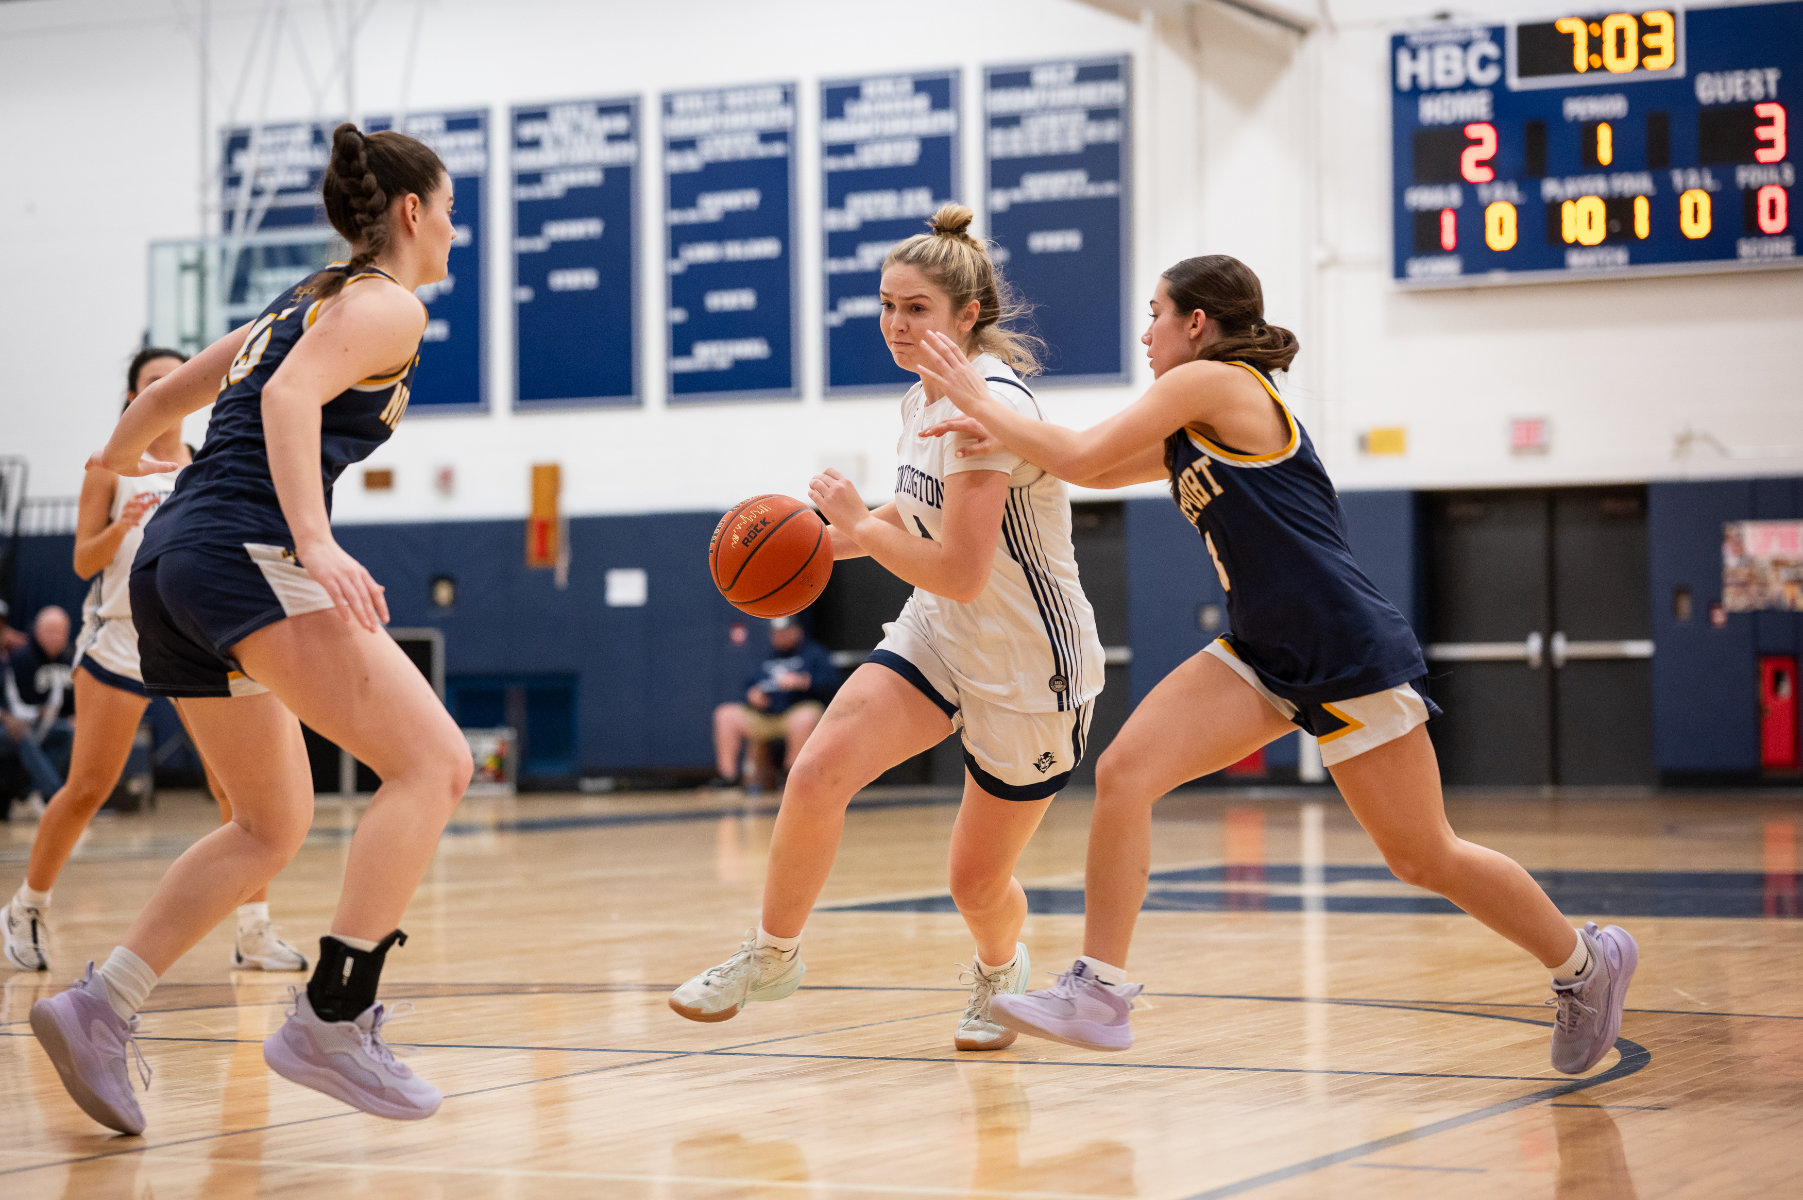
{"x": 261, "y": 948}
{"x": 754, "y": 973}
{"x": 977, "y": 1029}
{"x": 27, "y": 937}
{"x": 27, "y": 810}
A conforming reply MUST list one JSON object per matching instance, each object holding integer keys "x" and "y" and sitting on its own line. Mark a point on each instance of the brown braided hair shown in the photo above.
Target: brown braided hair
{"x": 365, "y": 175}
{"x": 959, "y": 265}
{"x": 1226, "y": 289}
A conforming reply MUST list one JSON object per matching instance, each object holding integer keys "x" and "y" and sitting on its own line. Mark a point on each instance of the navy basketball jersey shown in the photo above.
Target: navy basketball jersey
{"x": 1300, "y": 611}
{"x": 227, "y": 497}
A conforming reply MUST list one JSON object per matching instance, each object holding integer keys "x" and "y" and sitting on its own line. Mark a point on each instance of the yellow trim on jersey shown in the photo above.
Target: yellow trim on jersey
{"x": 1253, "y": 460}
{"x": 312, "y": 314}
{"x": 376, "y": 382}
{"x": 1226, "y": 645}
{"x": 1353, "y": 725}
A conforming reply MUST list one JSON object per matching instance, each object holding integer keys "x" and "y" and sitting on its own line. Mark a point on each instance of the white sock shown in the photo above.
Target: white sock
{"x": 1007, "y": 966}
{"x": 251, "y": 914}
{"x": 355, "y": 943}
{"x": 30, "y": 897}
{"x": 1106, "y": 974}
{"x": 782, "y": 945}
{"x": 1576, "y": 967}
{"x": 128, "y": 980}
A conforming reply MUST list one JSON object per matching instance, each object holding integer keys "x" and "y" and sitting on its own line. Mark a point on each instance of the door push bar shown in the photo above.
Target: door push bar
{"x": 1535, "y": 649}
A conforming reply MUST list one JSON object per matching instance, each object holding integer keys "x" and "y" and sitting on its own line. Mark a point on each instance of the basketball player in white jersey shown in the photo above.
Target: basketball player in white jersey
{"x": 997, "y": 643}
{"x": 110, "y": 698}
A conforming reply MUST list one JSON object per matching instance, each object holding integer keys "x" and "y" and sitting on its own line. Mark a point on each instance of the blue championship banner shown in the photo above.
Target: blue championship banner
{"x": 452, "y": 358}
{"x": 1057, "y": 153}
{"x": 575, "y": 250}
{"x": 729, "y": 220}
{"x": 271, "y": 176}
{"x": 888, "y": 160}
{"x": 272, "y": 182}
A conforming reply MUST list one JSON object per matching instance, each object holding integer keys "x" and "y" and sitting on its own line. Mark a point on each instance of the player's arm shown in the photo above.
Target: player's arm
{"x": 846, "y": 546}
{"x": 1185, "y": 395}
{"x": 957, "y": 567}
{"x": 188, "y": 388}
{"x": 973, "y": 439}
{"x": 97, "y": 535}
{"x": 373, "y": 329}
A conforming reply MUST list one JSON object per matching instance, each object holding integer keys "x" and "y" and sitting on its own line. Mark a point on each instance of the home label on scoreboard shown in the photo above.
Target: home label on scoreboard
{"x": 1595, "y": 145}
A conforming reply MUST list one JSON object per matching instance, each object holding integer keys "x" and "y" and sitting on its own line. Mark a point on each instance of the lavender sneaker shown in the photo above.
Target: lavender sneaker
{"x": 1589, "y": 1016}
{"x": 1076, "y": 1010}
{"x": 88, "y": 1043}
{"x": 348, "y": 1061}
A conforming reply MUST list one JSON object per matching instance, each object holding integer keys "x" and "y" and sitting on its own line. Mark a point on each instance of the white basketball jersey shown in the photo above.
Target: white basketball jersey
{"x": 109, "y": 597}
{"x": 1028, "y": 642}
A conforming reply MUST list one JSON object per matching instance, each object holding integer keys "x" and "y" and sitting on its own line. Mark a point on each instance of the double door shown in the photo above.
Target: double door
{"x": 1538, "y": 636}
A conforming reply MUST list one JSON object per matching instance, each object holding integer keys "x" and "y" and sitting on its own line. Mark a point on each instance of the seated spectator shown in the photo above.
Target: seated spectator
{"x": 783, "y": 700}
{"x": 10, "y": 639}
{"x": 38, "y": 719}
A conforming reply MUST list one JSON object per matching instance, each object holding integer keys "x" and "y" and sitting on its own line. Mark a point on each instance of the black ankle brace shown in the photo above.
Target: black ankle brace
{"x": 344, "y": 983}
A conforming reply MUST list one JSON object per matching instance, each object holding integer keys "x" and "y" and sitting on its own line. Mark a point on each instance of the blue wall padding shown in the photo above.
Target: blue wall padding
{"x": 648, "y": 678}
{"x": 1706, "y": 680}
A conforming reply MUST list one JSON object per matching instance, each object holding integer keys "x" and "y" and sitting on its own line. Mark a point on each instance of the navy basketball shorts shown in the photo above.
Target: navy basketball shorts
{"x": 1012, "y": 755}
{"x": 1344, "y": 728}
{"x": 191, "y": 606}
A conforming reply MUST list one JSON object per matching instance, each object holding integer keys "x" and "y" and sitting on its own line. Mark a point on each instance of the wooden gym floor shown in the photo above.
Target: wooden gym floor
{"x": 1312, "y": 1027}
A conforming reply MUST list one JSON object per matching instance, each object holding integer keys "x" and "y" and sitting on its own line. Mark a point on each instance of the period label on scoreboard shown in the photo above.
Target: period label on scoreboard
{"x": 888, "y": 160}
{"x": 575, "y": 223}
{"x": 451, "y": 375}
{"x": 729, "y": 219}
{"x": 1057, "y": 149}
{"x": 1596, "y": 144}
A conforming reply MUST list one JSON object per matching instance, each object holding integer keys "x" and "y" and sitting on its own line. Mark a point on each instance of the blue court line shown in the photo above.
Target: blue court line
{"x": 1635, "y": 1107}
{"x": 745, "y": 1052}
{"x": 605, "y": 989}
{"x": 168, "y": 848}
{"x": 1634, "y": 1058}
{"x": 352, "y": 1112}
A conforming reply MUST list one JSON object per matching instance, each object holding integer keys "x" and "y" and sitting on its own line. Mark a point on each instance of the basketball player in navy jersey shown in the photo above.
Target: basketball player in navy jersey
{"x": 1312, "y": 643}
{"x": 110, "y": 696}
{"x": 250, "y": 615}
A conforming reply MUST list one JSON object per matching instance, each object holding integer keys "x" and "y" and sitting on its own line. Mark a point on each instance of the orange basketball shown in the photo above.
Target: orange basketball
{"x": 770, "y": 556}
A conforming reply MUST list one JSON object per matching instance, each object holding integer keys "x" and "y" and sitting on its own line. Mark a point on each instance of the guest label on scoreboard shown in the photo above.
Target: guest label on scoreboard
{"x": 888, "y": 160}
{"x": 1595, "y": 144}
{"x": 452, "y": 354}
{"x": 575, "y": 249}
{"x": 1056, "y": 145}
{"x": 729, "y": 220}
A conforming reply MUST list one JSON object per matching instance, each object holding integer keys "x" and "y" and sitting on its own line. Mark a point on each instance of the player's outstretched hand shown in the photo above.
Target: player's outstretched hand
{"x": 356, "y": 596}
{"x": 976, "y": 440}
{"x": 942, "y": 364}
{"x": 131, "y": 467}
{"x": 835, "y": 496}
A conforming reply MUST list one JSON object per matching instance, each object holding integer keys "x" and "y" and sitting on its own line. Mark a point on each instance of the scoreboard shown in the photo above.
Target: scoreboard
{"x": 1596, "y": 144}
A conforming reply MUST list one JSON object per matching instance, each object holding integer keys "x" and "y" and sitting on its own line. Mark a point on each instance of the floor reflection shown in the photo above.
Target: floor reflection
{"x": 1592, "y": 1163}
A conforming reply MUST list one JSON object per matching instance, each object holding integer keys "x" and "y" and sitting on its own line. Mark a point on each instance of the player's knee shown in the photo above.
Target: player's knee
{"x": 1422, "y": 866}
{"x": 977, "y": 886}
{"x": 1117, "y": 779}
{"x": 82, "y": 795}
